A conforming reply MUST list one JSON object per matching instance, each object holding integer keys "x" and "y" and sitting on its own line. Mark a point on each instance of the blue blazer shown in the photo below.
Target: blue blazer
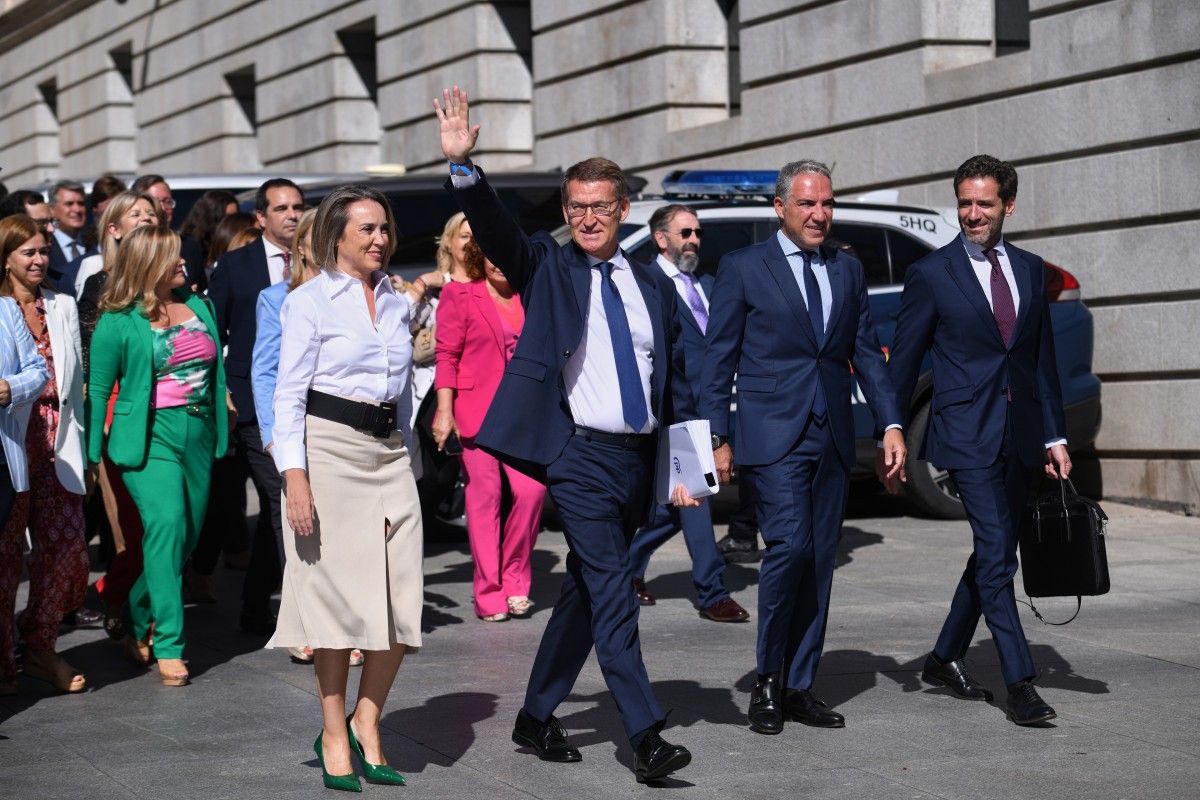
{"x": 758, "y": 327}
{"x": 26, "y": 373}
{"x": 236, "y": 281}
{"x": 692, "y": 338}
{"x": 944, "y": 308}
{"x": 61, "y": 270}
{"x": 264, "y": 365}
{"x": 529, "y": 421}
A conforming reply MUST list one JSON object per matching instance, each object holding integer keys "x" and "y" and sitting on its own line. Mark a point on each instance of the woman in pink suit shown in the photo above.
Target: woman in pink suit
{"x": 477, "y": 328}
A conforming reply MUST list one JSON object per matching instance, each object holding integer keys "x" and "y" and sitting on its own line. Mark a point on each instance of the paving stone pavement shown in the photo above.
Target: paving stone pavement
{"x": 1124, "y": 678}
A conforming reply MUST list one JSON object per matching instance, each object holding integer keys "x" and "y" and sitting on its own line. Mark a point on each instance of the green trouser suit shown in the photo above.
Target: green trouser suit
{"x": 165, "y": 457}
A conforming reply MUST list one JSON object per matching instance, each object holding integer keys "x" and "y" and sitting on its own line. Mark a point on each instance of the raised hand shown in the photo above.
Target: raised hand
{"x": 458, "y": 137}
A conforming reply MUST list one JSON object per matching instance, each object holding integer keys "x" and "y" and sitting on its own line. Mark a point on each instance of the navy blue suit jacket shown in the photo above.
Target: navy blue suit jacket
{"x": 693, "y": 339}
{"x": 944, "y": 308}
{"x": 62, "y": 271}
{"x": 236, "y": 281}
{"x": 529, "y": 421}
{"x": 758, "y": 326}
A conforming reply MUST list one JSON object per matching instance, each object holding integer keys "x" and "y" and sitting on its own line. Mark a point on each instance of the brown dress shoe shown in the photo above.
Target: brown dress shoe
{"x": 644, "y": 597}
{"x": 725, "y": 610}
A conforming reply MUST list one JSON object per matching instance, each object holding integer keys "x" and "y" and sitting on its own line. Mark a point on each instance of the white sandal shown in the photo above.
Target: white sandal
{"x": 519, "y": 606}
{"x": 501, "y": 617}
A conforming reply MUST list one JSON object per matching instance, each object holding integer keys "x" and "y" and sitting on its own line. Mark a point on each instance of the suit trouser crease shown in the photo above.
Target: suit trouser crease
{"x": 502, "y": 562}
{"x": 801, "y": 500}
{"x": 708, "y": 567}
{"x": 171, "y": 493}
{"x": 993, "y": 497}
{"x": 602, "y": 493}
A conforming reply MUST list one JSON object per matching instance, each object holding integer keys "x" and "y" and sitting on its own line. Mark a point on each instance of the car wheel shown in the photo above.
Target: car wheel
{"x": 930, "y": 490}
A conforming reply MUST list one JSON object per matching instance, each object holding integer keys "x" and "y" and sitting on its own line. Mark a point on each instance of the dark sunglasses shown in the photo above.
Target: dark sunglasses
{"x": 685, "y": 233}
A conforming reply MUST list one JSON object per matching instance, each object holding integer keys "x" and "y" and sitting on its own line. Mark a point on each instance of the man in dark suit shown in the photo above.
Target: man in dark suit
{"x": 676, "y": 230}
{"x": 996, "y": 414}
{"x": 67, "y": 250}
{"x": 236, "y": 281}
{"x": 791, "y": 317}
{"x": 596, "y": 373}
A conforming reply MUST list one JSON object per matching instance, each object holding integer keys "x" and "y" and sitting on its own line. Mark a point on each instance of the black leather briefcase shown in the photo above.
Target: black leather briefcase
{"x": 1062, "y": 544}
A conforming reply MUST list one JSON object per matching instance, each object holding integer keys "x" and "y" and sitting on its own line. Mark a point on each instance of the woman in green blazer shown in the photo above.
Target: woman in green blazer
{"x": 158, "y": 341}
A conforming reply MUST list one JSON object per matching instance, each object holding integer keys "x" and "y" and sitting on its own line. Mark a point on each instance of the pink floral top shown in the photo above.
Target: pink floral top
{"x": 184, "y": 355}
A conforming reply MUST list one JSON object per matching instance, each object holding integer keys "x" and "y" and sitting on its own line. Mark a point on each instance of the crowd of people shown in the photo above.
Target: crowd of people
{"x": 146, "y": 376}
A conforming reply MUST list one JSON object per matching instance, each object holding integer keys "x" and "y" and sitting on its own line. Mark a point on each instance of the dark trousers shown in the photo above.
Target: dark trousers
{"x": 801, "y": 502}
{"x": 266, "y": 554}
{"x": 602, "y": 493}
{"x": 708, "y": 567}
{"x": 994, "y": 498}
{"x": 743, "y": 523}
{"x": 225, "y": 522}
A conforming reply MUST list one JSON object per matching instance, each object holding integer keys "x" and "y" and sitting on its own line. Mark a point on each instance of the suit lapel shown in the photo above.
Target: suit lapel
{"x": 261, "y": 274}
{"x": 835, "y": 268}
{"x": 581, "y": 279}
{"x": 1021, "y": 272}
{"x": 963, "y": 274}
{"x": 777, "y": 265}
{"x": 487, "y": 309}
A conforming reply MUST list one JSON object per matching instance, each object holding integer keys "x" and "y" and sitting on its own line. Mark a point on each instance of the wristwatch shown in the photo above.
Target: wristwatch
{"x": 719, "y": 441}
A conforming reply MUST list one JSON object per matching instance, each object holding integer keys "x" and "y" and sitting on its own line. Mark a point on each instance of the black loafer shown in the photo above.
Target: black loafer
{"x": 548, "y": 739}
{"x": 953, "y": 675}
{"x": 799, "y": 705}
{"x": 766, "y": 708}
{"x": 1025, "y": 706}
{"x": 656, "y": 758}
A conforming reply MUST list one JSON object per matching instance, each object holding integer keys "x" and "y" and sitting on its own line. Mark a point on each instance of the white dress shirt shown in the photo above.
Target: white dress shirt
{"x": 983, "y": 270}
{"x": 65, "y": 242}
{"x": 274, "y": 261}
{"x": 820, "y": 272}
{"x": 590, "y": 375}
{"x": 329, "y": 344}
{"x": 670, "y": 270}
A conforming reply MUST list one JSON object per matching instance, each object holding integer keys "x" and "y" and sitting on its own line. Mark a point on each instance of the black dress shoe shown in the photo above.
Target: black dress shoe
{"x": 260, "y": 623}
{"x": 548, "y": 738}
{"x": 82, "y": 617}
{"x": 644, "y": 597}
{"x": 1025, "y": 707}
{"x": 953, "y": 675}
{"x": 656, "y": 758}
{"x": 766, "y": 705}
{"x": 799, "y": 705}
{"x": 739, "y": 551}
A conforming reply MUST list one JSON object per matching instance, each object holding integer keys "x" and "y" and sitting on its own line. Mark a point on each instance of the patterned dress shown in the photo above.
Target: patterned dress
{"x": 58, "y": 560}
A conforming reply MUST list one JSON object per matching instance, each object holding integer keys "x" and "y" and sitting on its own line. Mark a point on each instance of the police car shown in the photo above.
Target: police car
{"x": 736, "y": 210}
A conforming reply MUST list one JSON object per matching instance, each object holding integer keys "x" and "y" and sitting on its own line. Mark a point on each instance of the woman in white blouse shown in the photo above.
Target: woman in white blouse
{"x": 353, "y": 519}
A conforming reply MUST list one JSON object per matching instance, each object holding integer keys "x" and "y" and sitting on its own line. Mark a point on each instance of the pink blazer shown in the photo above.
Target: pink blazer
{"x": 471, "y": 356}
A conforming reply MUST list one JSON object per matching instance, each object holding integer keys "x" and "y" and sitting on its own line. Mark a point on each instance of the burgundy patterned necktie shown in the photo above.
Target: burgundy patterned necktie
{"x": 1002, "y": 299}
{"x": 287, "y": 264}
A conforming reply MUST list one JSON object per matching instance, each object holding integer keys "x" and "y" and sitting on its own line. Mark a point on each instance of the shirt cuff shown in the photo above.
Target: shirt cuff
{"x": 1053, "y": 442}
{"x": 465, "y": 181}
{"x": 895, "y": 425}
{"x": 288, "y": 455}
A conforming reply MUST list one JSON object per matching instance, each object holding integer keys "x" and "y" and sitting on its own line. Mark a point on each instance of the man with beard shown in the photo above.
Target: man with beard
{"x": 677, "y": 232}
{"x": 979, "y": 306}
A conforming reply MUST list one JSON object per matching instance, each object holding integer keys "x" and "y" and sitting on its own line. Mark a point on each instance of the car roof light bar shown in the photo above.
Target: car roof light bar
{"x": 720, "y": 183}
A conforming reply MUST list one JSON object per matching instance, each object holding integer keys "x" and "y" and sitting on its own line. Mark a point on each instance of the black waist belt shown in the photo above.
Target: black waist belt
{"x": 377, "y": 419}
{"x": 630, "y": 441}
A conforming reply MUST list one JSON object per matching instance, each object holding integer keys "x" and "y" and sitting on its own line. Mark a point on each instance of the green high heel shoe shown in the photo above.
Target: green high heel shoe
{"x": 375, "y": 772}
{"x": 345, "y": 783}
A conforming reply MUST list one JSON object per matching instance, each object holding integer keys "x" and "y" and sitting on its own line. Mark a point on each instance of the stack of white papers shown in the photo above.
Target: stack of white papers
{"x": 685, "y": 455}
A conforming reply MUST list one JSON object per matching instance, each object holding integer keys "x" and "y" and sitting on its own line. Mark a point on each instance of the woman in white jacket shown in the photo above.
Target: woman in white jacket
{"x": 51, "y": 503}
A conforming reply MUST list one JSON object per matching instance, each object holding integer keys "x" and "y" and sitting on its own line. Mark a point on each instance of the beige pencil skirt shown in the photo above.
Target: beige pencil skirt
{"x": 356, "y": 580}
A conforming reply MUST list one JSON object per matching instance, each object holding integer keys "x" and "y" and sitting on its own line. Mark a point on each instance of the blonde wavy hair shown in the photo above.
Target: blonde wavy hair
{"x": 301, "y": 260}
{"x": 118, "y": 207}
{"x": 147, "y": 254}
{"x": 445, "y": 255}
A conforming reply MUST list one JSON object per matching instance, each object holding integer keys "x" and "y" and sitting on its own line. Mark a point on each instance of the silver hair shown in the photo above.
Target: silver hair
{"x": 805, "y": 166}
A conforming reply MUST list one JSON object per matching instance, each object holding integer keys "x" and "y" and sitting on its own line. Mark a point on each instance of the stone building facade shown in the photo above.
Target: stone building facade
{"x": 1096, "y": 101}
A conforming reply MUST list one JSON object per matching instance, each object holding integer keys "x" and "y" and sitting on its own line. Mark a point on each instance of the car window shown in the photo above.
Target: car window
{"x": 905, "y": 250}
{"x": 721, "y": 237}
{"x": 867, "y": 243}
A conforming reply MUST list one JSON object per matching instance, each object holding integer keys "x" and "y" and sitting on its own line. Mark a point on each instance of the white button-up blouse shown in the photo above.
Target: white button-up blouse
{"x": 329, "y": 344}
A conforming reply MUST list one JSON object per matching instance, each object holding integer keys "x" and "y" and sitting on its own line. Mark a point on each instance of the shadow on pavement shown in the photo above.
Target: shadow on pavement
{"x": 443, "y": 730}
